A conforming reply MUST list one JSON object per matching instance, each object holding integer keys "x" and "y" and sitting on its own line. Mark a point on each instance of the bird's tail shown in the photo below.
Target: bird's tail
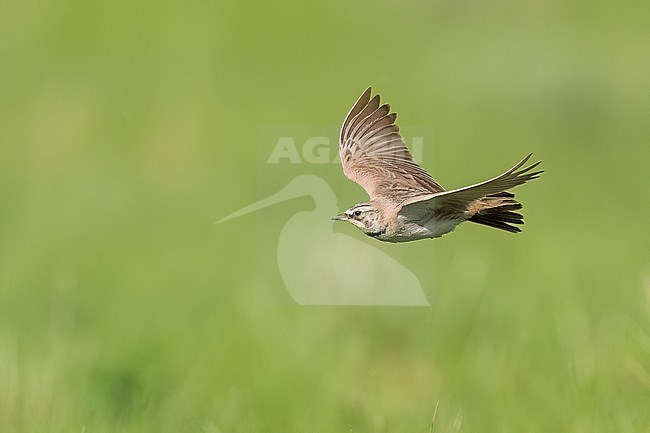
{"x": 496, "y": 210}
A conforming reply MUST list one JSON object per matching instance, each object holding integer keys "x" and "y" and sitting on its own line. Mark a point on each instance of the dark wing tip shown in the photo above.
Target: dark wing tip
{"x": 361, "y": 102}
{"x": 363, "y": 99}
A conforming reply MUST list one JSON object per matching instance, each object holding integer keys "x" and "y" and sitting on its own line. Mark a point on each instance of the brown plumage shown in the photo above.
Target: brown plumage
{"x": 406, "y": 203}
{"x": 497, "y": 211}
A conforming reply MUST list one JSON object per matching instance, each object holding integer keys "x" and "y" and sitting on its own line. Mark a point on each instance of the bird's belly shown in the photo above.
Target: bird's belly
{"x": 414, "y": 230}
{"x": 439, "y": 227}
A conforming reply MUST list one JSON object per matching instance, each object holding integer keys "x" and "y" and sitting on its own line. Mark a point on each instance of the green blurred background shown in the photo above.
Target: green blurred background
{"x": 128, "y": 128}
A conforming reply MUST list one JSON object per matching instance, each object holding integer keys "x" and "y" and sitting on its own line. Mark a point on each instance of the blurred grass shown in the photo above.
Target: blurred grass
{"x": 130, "y": 127}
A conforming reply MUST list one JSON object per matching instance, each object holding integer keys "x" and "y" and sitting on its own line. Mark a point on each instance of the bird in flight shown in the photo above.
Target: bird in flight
{"x": 406, "y": 204}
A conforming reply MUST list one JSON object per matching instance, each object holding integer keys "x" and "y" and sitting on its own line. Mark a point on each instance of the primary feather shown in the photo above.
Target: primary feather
{"x": 375, "y": 156}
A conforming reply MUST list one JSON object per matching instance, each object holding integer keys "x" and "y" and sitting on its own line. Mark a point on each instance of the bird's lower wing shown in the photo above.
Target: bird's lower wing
{"x": 457, "y": 200}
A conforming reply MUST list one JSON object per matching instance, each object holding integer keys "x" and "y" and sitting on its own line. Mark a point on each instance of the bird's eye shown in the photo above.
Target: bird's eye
{"x": 357, "y": 213}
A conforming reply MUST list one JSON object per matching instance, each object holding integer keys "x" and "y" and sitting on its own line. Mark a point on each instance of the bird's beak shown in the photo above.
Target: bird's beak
{"x": 340, "y": 217}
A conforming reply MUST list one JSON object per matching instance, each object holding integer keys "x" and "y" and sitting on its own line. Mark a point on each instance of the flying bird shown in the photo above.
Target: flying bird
{"x": 406, "y": 203}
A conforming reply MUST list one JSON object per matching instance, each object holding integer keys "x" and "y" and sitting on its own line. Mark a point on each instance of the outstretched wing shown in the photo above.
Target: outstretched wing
{"x": 457, "y": 201}
{"x": 374, "y": 155}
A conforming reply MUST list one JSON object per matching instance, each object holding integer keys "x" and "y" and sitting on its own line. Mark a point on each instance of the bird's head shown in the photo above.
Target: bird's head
{"x": 364, "y": 216}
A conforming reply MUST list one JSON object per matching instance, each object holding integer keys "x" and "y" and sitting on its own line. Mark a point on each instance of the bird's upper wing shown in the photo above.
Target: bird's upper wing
{"x": 457, "y": 201}
{"x": 374, "y": 155}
